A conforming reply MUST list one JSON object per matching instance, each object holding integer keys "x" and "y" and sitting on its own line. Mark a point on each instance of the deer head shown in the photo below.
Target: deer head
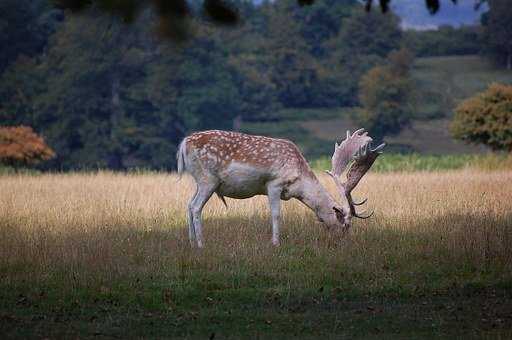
{"x": 355, "y": 150}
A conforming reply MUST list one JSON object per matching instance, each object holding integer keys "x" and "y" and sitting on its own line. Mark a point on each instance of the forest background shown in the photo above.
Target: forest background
{"x": 106, "y": 94}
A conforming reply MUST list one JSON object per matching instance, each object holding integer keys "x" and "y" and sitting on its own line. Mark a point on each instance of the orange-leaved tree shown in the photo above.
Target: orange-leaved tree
{"x": 20, "y": 145}
{"x": 486, "y": 118}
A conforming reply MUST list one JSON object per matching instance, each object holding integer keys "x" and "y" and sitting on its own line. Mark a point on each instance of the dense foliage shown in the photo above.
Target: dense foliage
{"x": 486, "y": 118}
{"x": 109, "y": 94}
{"x": 173, "y": 16}
{"x": 20, "y": 145}
{"x": 498, "y": 32}
{"x": 386, "y": 93}
{"x": 24, "y": 28}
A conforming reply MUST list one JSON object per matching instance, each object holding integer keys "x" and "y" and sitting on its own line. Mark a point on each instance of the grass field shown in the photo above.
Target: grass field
{"x": 107, "y": 255}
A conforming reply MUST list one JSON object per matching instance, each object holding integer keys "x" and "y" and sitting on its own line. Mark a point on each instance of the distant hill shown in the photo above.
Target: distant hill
{"x": 442, "y": 83}
{"x": 415, "y": 15}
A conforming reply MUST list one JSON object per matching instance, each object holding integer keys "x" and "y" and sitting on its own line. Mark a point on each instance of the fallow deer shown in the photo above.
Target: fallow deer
{"x": 240, "y": 166}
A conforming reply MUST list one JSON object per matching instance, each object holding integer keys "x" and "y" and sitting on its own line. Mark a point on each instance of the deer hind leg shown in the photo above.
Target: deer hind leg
{"x": 203, "y": 194}
{"x": 190, "y": 219}
{"x": 274, "y": 199}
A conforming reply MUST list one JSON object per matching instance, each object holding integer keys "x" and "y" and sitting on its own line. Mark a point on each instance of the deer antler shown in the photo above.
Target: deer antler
{"x": 363, "y": 160}
{"x": 355, "y": 148}
{"x": 345, "y": 151}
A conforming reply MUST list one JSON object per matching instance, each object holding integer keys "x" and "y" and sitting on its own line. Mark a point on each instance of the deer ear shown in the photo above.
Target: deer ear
{"x": 339, "y": 214}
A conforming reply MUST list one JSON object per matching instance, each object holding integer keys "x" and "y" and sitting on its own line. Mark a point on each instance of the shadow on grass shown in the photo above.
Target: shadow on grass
{"x": 443, "y": 276}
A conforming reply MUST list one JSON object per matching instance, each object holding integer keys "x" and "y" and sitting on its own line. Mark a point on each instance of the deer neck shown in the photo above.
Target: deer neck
{"x": 315, "y": 196}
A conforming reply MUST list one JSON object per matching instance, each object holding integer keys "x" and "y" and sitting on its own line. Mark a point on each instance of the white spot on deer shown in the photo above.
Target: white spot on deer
{"x": 211, "y": 157}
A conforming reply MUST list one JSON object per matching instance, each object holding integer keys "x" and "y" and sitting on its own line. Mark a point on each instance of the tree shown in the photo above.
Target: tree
{"x": 25, "y": 26}
{"x": 20, "y": 145}
{"x": 364, "y": 40}
{"x": 498, "y": 25}
{"x": 121, "y": 100}
{"x": 253, "y": 78}
{"x": 173, "y": 16}
{"x": 369, "y": 34}
{"x": 320, "y": 22}
{"x": 486, "y": 118}
{"x": 76, "y": 92}
{"x": 386, "y": 94}
{"x": 106, "y": 93}
{"x": 293, "y": 71}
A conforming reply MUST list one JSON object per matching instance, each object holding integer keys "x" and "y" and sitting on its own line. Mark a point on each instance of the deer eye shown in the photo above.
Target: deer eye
{"x": 338, "y": 211}
{"x": 339, "y": 214}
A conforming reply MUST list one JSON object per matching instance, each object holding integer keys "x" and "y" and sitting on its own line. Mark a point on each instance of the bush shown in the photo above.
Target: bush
{"x": 486, "y": 118}
{"x": 20, "y": 145}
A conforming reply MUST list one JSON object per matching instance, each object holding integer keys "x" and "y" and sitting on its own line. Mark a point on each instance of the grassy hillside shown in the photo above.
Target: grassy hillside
{"x": 442, "y": 83}
{"x": 423, "y": 136}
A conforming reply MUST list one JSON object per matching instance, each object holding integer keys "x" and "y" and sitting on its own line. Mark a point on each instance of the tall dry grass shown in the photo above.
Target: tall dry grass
{"x": 431, "y": 231}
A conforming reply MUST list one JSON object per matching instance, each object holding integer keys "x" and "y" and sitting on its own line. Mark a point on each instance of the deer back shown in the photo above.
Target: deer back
{"x": 216, "y": 150}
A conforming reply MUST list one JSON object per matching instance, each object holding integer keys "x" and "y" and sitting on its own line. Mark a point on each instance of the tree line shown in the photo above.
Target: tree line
{"x": 105, "y": 93}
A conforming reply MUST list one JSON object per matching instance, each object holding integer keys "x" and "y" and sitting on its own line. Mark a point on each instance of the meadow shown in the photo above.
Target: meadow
{"x": 107, "y": 255}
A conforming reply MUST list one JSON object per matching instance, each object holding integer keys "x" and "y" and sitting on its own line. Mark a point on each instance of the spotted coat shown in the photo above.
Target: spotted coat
{"x": 238, "y": 165}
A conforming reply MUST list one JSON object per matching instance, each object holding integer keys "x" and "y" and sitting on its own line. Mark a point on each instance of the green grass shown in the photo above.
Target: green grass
{"x": 8, "y": 170}
{"x": 156, "y": 309}
{"x": 416, "y": 162}
{"x": 300, "y": 292}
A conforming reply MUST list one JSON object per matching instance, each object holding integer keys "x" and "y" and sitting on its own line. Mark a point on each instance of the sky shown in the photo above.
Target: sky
{"x": 415, "y": 15}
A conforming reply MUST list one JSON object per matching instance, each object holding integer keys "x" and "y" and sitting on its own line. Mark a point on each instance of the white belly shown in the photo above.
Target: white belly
{"x": 243, "y": 181}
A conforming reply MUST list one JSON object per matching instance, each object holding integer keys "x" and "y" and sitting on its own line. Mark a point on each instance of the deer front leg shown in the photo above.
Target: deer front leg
{"x": 274, "y": 199}
{"x": 204, "y": 192}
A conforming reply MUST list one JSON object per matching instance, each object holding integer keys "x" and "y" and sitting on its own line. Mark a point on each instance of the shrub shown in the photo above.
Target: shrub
{"x": 20, "y": 145}
{"x": 486, "y": 118}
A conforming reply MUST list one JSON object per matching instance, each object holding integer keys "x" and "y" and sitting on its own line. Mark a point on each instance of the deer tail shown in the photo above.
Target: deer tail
{"x": 181, "y": 157}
